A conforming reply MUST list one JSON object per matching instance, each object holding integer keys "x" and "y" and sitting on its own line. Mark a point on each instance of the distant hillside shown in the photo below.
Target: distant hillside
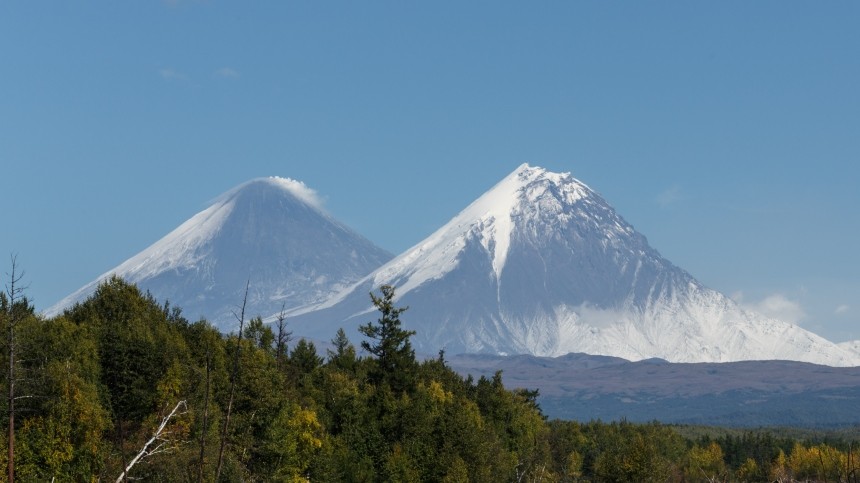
{"x": 740, "y": 394}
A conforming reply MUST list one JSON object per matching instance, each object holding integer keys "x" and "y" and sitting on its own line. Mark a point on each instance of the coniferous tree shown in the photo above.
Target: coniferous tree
{"x": 304, "y": 357}
{"x": 395, "y": 358}
{"x": 343, "y": 356}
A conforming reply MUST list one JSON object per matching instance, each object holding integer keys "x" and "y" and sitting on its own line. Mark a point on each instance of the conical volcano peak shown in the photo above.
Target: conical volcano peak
{"x": 276, "y": 184}
{"x": 526, "y": 171}
{"x": 542, "y": 264}
{"x": 297, "y": 189}
{"x": 530, "y": 199}
{"x": 534, "y": 184}
{"x": 269, "y": 232}
{"x": 526, "y": 185}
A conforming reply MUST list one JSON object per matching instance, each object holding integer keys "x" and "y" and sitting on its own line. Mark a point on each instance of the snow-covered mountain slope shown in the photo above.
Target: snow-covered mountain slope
{"x": 542, "y": 265}
{"x": 268, "y": 232}
{"x": 851, "y": 345}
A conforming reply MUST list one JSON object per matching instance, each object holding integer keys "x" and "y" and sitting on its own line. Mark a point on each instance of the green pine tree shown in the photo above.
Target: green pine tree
{"x": 395, "y": 358}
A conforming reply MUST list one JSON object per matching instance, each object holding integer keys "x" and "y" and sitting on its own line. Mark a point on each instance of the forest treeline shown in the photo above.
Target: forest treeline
{"x": 121, "y": 385}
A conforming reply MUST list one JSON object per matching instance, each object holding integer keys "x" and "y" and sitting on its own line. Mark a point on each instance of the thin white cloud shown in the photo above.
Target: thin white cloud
{"x": 842, "y": 309}
{"x": 776, "y": 306}
{"x": 670, "y": 196}
{"x": 227, "y": 73}
{"x": 172, "y": 75}
{"x": 300, "y": 190}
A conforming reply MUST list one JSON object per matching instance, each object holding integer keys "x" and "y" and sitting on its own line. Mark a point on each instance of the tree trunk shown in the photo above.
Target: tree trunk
{"x": 284, "y": 338}
{"x": 205, "y": 414}
{"x": 11, "y": 456}
{"x": 233, "y": 376}
{"x": 14, "y": 293}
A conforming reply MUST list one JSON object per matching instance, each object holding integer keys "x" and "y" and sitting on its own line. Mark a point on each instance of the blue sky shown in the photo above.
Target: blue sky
{"x": 727, "y": 132}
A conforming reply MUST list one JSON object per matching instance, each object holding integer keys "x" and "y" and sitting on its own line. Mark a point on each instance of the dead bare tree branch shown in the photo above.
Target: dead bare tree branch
{"x": 164, "y": 445}
{"x": 14, "y": 292}
{"x": 284, "y": 337}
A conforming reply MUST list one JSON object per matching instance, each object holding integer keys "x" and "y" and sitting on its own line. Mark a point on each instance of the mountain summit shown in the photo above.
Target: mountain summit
{"x": 270, "y": 233}
{"x": 542, "y": 265}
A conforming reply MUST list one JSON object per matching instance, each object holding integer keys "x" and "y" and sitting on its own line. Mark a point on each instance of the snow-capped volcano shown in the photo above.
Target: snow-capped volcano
{"x": 270, "y": 233}
{"x": 541, "y": 264}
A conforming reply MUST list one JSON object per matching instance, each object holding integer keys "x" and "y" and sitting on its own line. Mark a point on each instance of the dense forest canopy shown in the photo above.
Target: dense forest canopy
{"x": 124, "y": 386}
